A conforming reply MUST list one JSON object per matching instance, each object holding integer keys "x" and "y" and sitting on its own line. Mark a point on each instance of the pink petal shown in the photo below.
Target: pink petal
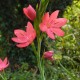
{"x": 30, "y": 12}
{"x": 48, "y": 55}
{"x": 54, "y": 15}
{"x": 28, "y": 42}
{"x": 0, "y": 60}
{"x": 50, "y": 34}
{"x": 57, "y": 31}
{"x": 30, "y": 31}
{"x": 3, "y": 66}
{"x": 29, "y": 28}
{"x": 20, "y": 40}
{"x": 32, "y": 37}
{"x": 1, "y": 69}
{"x": 5, "y": 61}
{"x": 45, "y": 17}
{"x": 43, "y": 27}
{"x": 22, "y": 45}
{"x": 59, "y": 22}
{"x": 19, "y": 33}
{"x": 6, "y": 65}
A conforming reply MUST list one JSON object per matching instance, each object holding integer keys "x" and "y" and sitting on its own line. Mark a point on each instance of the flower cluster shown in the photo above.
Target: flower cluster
{"x": 51, "y": 25}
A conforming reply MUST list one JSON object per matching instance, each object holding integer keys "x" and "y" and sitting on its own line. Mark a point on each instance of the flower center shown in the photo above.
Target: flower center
{"x": 52, "y": 23}
{"x": 48, "y": 25}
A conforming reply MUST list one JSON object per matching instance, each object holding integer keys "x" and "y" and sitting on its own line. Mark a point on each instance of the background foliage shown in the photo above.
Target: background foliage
{"x": 22, "y": 61}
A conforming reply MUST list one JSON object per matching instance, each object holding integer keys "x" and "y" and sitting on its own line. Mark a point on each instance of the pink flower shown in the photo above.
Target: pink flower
{"x": 30, "y": 12}
{"x": 51, "y": 24}
{"x": 24, "y": 38}
{"x": 48, "y": 55}
{"x": 4, "y": 64}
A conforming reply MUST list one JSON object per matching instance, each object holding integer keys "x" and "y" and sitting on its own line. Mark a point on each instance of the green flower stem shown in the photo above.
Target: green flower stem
{"x": 37, "y": 50}
{"x": 39, "y": 61}
{"x": 34, "y": 48}
{"x": 2, "y": 77}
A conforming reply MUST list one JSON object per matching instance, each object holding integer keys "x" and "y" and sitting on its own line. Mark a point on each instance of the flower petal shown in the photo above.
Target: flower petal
{"x": 45, "y": 18}
{"x": 20, "y": 40}
{"x": 30, "y": 12}
{"x": 43, "y": 27}
{"x": 57, "y": 31}
{"x": 48, "y": 55}
{"x": 0, "y": 60}
{"x": 19, "y": 33}
{"x": 5, "y": 61}
{"x": 59, "y": 22}
{"x": 54, "y": 15}
{"x": 50, "y": 34}
{"x": 4, "y": 64}
{"x": 29, "y": 28}
{"x": 22, "y": 45}
{"x": 30, "y": 31}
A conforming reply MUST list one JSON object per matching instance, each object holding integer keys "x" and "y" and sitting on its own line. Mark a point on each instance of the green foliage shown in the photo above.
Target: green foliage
{"x": 22, "y": 73}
